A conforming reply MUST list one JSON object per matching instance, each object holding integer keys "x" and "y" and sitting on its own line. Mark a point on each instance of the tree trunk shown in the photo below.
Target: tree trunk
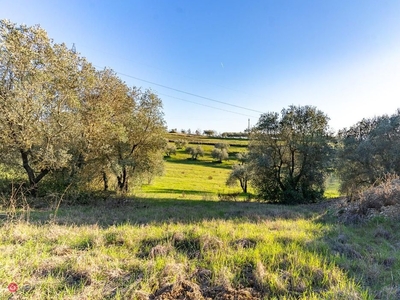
{"x": 105, "y": 181}
{"x": 123, "y": 181}
{"x": 243, "y": 184}
{"x": 33, "y": 180}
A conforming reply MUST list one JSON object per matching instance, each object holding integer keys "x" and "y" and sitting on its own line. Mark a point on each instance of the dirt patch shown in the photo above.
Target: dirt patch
{"x": 76, "y": 278}
{"x": 226, "y": 293}
{"x": 182, "y": 289}
{"x": 203, "y": 277}
{"x": 188, "y": 290}
{"x": 199, "y": 286}
{"x": 246, "y": 277}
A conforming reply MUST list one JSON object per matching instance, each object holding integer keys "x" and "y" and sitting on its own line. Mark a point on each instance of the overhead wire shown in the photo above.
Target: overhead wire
{"x": 180, "y": 75}
{"x": 187, "y": 93}
{"x": 205, "y": 105}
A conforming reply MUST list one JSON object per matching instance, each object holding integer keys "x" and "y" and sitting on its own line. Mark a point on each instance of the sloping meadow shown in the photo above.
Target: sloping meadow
{"x": 265, "y": 251}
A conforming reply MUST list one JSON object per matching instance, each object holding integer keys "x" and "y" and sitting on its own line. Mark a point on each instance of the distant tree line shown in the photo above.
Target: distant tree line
{"x": 244, "y": 134}
{"x": 62, "y": 120}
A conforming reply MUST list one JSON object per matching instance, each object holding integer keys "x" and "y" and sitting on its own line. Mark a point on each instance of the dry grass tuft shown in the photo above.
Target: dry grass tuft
{"x": 210, "y": 243}
{"x": 159, "y": 250}
{"x": 203, "y": 277}
{"x": 380, "y": 200}
{"x": 244, "y": 243}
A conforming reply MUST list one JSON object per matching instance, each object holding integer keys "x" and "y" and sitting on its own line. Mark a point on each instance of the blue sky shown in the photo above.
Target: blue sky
{"x": 237, "y": 59}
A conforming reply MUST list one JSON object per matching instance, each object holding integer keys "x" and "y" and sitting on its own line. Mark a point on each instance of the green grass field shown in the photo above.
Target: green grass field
{"x": 204, "y": 178}
{"x": 195, "y": 179}
{"x": 174, "y": 240}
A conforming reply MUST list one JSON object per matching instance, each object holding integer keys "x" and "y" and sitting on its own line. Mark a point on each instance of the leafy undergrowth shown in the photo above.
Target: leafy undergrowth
{"x": 223, "y": 251}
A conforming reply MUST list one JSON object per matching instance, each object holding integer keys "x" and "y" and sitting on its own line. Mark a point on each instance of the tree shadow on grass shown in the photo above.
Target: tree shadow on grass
{"x": 197, "y": 162}
{"x": 166, "y": 210}
{"x": 179, "y": 191}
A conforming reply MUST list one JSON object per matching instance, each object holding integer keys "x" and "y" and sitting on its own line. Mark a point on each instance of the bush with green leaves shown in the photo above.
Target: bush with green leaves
{"x": 220, "y": 154}
{"x": 368, "y": 150}
{"x": 195, "y": 152}
{"x": 180, "y": 144}
{"x": 290, "y": 155}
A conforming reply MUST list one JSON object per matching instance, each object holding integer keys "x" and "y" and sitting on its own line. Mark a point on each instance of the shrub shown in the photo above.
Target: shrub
{"x": 381, "y": 199}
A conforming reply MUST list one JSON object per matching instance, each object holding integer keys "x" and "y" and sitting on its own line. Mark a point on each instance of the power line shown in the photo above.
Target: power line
{"x": 178, "y": 74}
{"x": 187, "y": 93}
{"x": 233, "y": 112}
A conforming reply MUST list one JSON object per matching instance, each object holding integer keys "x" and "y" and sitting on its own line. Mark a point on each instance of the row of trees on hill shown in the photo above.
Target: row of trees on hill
{"x": 219, "y": 153}
{"x": 60, "y": 118}
{"x": 213, "y": 133}
{"x": 291, "y": 154}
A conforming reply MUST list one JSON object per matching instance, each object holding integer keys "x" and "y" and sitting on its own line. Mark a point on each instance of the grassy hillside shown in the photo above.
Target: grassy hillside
{"x": 204, "y": 178}
{"x": 184, "y": 178}
{"x": 174, "y": 240}
{"x": 201, "y": 139}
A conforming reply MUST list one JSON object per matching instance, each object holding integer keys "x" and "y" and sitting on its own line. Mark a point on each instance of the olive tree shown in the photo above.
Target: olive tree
{"x": 39, "y": 99}
{"x": 289, "y": 155}
{"x": 59, "y": 115}
{"x": 368, "y": 150}
{"x": 180, "y": 144}
{"x": 219, "y": 154}
{"x": 195, "y": 152}
{"x": 241, "y": 172}
{"x": 222, "y": 146}
{"x": 209, "y": 132}
{"x": 170, "y": 150}
{"x": 107, "y": 104}
{"x": 140, "y": 150}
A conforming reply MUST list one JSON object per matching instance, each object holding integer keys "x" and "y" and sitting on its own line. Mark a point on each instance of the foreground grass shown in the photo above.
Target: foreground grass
{"x": 169, "y": 249}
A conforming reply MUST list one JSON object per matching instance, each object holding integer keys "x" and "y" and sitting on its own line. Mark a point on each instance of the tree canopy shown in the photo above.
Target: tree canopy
{"x": 368, "y": 150}
{"x": 58, "y": 114}
{"x": 290, "y": 154}
{"x": 241, "y": 172}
